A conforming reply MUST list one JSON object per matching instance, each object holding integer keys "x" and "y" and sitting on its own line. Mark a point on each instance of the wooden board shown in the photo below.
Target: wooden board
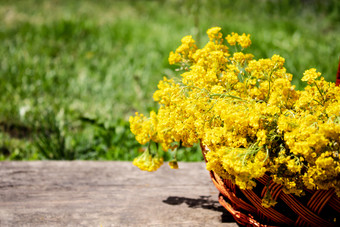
{"x": 89, "y": 193}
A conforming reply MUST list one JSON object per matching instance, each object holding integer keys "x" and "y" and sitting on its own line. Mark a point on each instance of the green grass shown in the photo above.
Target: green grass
{"x": 72, "y": 72}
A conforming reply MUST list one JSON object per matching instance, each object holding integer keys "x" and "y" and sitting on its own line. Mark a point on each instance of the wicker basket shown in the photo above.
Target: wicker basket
{"x": 317, "y": 208}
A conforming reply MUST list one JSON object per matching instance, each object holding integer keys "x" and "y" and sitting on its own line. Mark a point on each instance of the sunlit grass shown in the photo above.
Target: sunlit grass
{"x": 101, "y": 60}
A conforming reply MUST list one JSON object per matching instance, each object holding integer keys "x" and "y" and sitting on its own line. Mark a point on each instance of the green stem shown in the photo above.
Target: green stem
{"x": 318, "y": 102}
{"x": 226, "y": 96}
{"x": 322, "y": 95}
{"x": 269, "y": 85}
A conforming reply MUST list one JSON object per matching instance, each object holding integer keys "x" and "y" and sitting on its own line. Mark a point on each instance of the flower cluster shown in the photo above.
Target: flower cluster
{"x": 249, "y": 115}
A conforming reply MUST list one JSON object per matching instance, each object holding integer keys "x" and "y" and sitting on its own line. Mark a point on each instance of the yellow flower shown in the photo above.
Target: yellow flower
{"x": 173, "y": 164}
{"x": 188, "y": 40}
{"x": 244, "y": 40}
{"x": 148, "y": 163}
{"x": 174, "y": 58}
{"x": 232, "y": 39}
{"x": 261, "y": 137}
{"x": 250, "y": 116}
{"x": 214, "y": 33}
{"x": 310, "y": 75}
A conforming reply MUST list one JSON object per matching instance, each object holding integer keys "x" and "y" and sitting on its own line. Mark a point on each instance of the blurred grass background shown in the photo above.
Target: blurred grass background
{"x": 72, "y": 72}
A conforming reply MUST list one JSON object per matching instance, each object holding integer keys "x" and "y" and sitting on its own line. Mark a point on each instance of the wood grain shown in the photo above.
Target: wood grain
{"x": 89, "y": 193}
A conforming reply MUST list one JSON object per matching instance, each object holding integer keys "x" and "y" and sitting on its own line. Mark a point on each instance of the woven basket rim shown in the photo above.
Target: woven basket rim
{"x": 252, "y": 213}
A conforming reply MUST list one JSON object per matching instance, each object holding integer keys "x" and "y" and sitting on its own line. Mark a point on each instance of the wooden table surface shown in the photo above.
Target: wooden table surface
{"x": 91, "y": 193}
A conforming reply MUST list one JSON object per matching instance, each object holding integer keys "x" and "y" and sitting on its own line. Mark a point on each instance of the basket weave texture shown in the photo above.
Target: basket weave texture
{"x": 317, "y": 208}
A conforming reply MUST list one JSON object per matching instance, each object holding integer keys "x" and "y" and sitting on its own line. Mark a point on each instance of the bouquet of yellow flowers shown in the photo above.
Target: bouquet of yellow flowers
{"x": 248, "y": 114}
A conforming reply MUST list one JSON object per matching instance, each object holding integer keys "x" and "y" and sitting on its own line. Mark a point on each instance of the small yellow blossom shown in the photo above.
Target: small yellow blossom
{"x": 244, "y": 40}
{"x": 174, "y": 58}
{"x": 173, "y": 164}
{"x": 232, "y": 39}
{"x": 148, "y": 163}
{"x": 310, "y": 75}
{"x": 214, "y": 33}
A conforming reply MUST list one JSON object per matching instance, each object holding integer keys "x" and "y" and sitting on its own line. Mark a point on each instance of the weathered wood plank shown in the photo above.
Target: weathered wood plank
{"x": 88, "y": 193}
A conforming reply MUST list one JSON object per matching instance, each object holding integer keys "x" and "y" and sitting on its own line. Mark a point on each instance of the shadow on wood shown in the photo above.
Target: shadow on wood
{"x": 204, "y": 202}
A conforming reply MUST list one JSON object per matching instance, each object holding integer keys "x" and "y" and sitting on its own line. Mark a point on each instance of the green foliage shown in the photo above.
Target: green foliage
{"x": 71, "y": 72}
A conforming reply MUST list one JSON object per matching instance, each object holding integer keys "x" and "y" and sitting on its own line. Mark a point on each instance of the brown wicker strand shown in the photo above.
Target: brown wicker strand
{"x": 314, "y": 200}
{"x": 317, "y": 203}
{"x": 334, "y": 202}
{"x": 270, "y": 213}
{"x": 230, "y": 195}
{"x": 301, "y": 222}
{"x": 304, "y": 212}
{"x": 276, "y": 190}
{"x": 240, "y": 217}
{"x": 264, "y": 179}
